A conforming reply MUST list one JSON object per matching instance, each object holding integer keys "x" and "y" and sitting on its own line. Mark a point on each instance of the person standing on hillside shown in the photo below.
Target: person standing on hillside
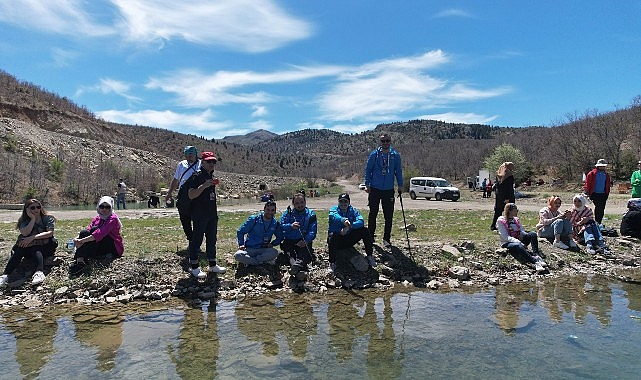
{"x": 504, "y": 190}
{"x": 597, "y": 188}
{"x": 635, "y": 180}
{"x": 184, "y": 170}
{"x": 383, "y": 165}
{"x": 204, "y": 215}
{"x": 120, "y": 196}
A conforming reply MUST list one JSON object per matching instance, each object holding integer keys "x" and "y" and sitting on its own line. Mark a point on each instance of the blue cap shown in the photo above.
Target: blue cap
{"x": 190, "y": 150}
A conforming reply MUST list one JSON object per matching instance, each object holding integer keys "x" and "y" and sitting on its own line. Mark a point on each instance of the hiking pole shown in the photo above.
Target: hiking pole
{"x": 407, "y": 235}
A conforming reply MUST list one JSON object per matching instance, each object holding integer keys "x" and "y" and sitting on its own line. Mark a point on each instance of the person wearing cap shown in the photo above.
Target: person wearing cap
{"x": 346, "y": 228}
{"x": 383, "y": 166}
{"x": 597, "y": 188}
{"x": 258, "y": 236}
{"x": 635, "y": 180}
{"x": 184, "y": 170}
{"x": 204, "y": 215}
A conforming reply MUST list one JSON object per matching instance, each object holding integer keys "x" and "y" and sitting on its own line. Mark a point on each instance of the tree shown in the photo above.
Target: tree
{"x": 507, "y": 153}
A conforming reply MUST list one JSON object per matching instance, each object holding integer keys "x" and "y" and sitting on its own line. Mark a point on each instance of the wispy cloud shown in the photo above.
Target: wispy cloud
{"x": 453, "y": 12}
{"x": 463, "y": 118}
{"x": 352, "y": 128}
{"x": 181, "y": 122}
{"x": 247, "y": 25}
{"x": 259, "y": 111}
{"x": 109, "y": 86}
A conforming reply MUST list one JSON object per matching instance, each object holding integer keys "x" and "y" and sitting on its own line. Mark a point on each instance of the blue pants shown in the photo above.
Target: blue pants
{"x": 592, "y": 234}
{"x": 561, "y": 227}
{"x": 207, "y": 227}
{"x": 256, "y": 256}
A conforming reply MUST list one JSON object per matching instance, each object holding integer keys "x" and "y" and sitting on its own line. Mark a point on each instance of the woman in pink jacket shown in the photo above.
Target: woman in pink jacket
{"x": 102, "y": 236}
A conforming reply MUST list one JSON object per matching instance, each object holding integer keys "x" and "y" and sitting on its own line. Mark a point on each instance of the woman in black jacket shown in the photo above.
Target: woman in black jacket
{"x": 504, "y": 190}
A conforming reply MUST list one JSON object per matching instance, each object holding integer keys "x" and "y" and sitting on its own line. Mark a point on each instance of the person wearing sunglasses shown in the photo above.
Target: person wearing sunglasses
{"x": 383, "y": 166}
{"x": 35, "y": 241}
{"x": 102, "y": 237}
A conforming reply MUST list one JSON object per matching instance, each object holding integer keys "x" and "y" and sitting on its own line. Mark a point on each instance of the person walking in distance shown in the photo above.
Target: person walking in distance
{"x": 184, "y": 170}
{"x": 120, "y": 196}
{"x": 597, "y": 188}
{"x": 383, "y": 166}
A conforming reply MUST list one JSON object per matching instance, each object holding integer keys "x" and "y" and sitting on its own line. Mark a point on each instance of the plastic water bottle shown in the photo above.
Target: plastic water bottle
{"x": 71, "y": 246}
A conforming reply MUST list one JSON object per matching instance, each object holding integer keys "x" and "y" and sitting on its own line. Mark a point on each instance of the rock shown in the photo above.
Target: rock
{"x": 433, "y": 284}
{"x": 110, "y": 299}
{"x": 448, "y": 249}
{"x": 459, "y": 273}
{"x": 410, "y": 228}
{"x": 501, "y": 251}
{"x": 32, "y": 303}
{"x": 109, "y": 293}
{"x": 467, "y": 245}
{"x": 493, "y": 281}
{"x": 452, "y": 283}
{"x": 629, "y": 261}
{"x": 61, "y": 290}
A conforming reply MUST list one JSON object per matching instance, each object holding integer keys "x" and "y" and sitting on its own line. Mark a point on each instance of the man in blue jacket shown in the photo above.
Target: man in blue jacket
{"x": 299, "y": 229}
{"x": 383, "y": 165}
{"x": 346, "y": 228}
{"x": 255, "y": 244}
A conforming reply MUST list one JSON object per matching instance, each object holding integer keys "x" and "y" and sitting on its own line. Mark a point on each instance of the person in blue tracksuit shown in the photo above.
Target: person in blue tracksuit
{"x": 255, "y": 243}
{"x": 383, "y": 166}
{"x": 299, "y": 230}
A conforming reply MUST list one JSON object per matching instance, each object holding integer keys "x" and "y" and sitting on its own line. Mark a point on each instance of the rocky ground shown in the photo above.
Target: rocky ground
{"x": 428, "y": 264}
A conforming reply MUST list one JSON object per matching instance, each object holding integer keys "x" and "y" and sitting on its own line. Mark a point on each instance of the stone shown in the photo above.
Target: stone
{"x": 61, "y": 290}
{"x": 448, "y": 249}
{"x": 434, "y": 284}
{"x": 459, "y": 273}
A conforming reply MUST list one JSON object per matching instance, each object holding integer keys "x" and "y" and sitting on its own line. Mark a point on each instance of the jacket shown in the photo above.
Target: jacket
{"x": 307, "y": 221}
{"x": 337, "y": 219}
{"x": 590, "y": 179}
{"x": 108, "y": 227}
{"x": 258, "y": 232}
{"x": 382, "y": 168}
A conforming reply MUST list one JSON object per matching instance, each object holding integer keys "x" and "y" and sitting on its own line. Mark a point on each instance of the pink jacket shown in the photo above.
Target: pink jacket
{"x": 108, "y": 227}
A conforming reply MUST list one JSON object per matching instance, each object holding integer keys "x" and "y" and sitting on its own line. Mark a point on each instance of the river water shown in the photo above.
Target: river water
{"x": 574, "y": 328}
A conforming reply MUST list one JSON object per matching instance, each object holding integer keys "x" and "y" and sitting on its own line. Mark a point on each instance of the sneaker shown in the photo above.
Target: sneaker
{"x": 3, "y": 280}
{"x": 560, "y": 244}
{"x": 573, "y": 244}
{"x": 372, "y": 261}
{"x": 590, "y": 250}
{"x": 539, "y": 260}
{"x": 387, "y": 244}
{"x": 37, "y": 278}
{"x": 539, "y": 267}
{"x": 196, "y": 272}
{"x": 332, "y": 267}
{"x": 217, "y": 269}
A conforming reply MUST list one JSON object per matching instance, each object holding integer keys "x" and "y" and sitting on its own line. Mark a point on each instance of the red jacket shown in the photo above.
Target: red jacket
{"x": 590, "y": 178}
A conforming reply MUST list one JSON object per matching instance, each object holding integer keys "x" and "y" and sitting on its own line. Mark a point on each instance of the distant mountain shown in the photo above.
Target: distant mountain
{"x": 252, "y": 138}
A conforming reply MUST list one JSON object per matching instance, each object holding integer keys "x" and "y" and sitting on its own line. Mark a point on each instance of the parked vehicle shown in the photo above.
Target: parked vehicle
{"x": 433, "y": 187}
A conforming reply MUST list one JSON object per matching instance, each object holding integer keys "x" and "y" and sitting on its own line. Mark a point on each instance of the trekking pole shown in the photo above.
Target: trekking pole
{"x": 409, "y": 250}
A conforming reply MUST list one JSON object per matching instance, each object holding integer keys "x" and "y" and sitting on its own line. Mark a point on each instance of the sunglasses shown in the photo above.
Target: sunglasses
{"x": 36, "y": 207}
{"x": 343, "y": 201}
{"x": 386, "y": 141}
{"x": 104, "y": 206}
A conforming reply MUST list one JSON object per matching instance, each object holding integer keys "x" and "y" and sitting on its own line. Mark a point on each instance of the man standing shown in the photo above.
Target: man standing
{"x": 184, "y": 170}
{"x": 635, "y": 180}
{"x": 383, "y": 165}
{"x": 120, "y": 196}
{"x": 597, "y": 187}
{"x": 204, "y": 215}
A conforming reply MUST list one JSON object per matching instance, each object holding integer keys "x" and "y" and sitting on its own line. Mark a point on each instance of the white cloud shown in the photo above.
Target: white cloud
{"x": 196, "y": 123}
{"x": 259, "y": 111}
{"x": 352, "y": 128}
{"x": 462, "y": 118}
{"x": 260, "y": 124}
{"x": 453, "y": 12}
{"x": 109, "y": 86}
{"x": 246, "y": 25}
{"x": 68, "y": 17}
{"x": 306, "y": 125}
{"x": 63, "y": 58}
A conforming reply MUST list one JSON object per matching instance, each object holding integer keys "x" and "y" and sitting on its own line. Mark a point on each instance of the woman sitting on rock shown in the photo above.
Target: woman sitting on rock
{"x": 35, "y": 241}
{"x": 554, "y": 224}
{"x": 585, "y": 226}
{"x": 515, "y": 238}
{"x": 102, "y": 236}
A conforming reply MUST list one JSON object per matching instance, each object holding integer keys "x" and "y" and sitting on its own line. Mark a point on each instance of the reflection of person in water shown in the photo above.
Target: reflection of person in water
{"x": 507, "y": 304}
{"x": 199, "y": 344}
{"x": 382, "y": 360}
{"x": 294, "y": 319}
{"x": 34, "y": 344}
{"x": 103, "y": 331}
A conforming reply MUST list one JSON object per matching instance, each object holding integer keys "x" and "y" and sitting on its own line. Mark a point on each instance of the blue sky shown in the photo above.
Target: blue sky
{"x": 218, "y": 68}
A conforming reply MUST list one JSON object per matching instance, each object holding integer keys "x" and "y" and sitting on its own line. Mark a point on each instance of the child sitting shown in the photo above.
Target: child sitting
{"x": 583, "y": 224}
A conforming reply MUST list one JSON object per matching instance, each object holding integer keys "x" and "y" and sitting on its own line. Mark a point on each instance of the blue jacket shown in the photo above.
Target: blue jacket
{"x": 337, "y": 219}
{"x": 307, "y": 221}
{"x": 381, "y": 169}
{"x": 258, "y": 232}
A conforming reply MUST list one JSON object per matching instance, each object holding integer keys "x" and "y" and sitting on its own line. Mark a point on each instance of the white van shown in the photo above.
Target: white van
{"x": 433, "y": 187}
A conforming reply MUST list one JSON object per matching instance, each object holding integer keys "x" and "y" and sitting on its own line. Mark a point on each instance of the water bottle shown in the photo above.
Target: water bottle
{"x": 71, "y": 246}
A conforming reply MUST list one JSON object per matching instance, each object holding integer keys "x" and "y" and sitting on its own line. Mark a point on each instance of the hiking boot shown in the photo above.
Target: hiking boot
{"x": 197, "y": 273}
{"x": 301, "y": 275}
{"x": 294, "y": 269}
{"x": 573, "y": 244}
{"x": 3, "y": 280}
{"x": 560, "y": 244}
{"x": 372, "y": 261}
{"x": 590, "y": 250}
{"x": 37, "y": 278}
{"x": 387, "y": 244}
{"x": 217, "y": 269}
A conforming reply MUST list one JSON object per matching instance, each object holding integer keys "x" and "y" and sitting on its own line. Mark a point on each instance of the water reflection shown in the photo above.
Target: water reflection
{"x": 576, "y": 327}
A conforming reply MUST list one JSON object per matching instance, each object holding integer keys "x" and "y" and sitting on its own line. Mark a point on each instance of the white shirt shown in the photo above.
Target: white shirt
{"x": 182, "y": 168}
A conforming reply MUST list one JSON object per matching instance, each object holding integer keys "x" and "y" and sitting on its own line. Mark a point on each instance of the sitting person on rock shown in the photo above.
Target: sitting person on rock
{"x": 346, "y": 228}
{"x": 255, "y": 243}
{"x": 631, "y": 221}
{"x": 515, "y": 238}
{"x": 585, "y": 226}
{"x": 35, "y": 241}
{"x": 555, "y": 225}
{"x": 102, "y": 237}
{"x": 299, "y": 227}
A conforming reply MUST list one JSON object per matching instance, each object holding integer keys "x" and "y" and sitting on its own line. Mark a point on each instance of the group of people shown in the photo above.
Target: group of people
{"x": 36, "y": 240}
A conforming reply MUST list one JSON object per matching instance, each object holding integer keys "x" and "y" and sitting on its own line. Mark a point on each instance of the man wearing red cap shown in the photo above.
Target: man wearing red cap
{"x": 204, "y": 215}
